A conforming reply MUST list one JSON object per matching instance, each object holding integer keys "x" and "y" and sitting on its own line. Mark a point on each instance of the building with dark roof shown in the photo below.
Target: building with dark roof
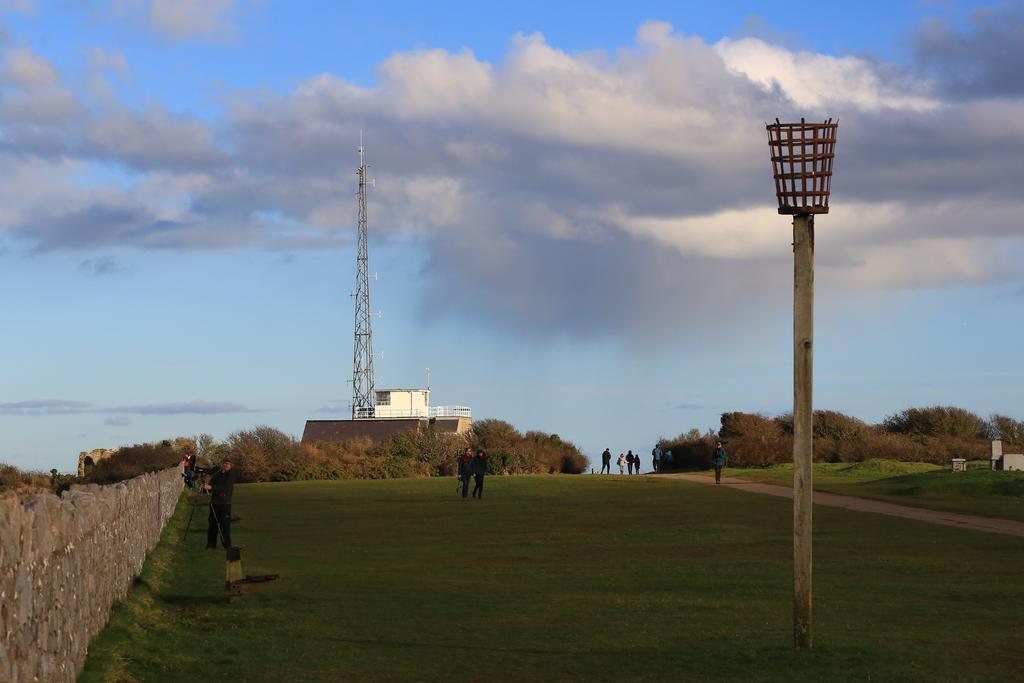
{"x": 395, "y": 411}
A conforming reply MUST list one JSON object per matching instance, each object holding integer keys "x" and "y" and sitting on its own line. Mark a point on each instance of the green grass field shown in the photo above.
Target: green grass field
{"x": 563, "y": 578}
{"x": 977, "y": 491}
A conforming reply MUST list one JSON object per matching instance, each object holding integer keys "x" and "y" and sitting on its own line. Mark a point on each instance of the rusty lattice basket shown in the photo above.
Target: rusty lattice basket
{"x": 802, "y": 155}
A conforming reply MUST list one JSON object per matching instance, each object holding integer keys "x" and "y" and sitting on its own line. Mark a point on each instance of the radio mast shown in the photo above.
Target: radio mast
{"x": 362, "y": 348}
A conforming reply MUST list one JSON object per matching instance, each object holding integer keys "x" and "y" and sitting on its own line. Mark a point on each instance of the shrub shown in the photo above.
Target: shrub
{"x": 829, "y": 424}
{"x": 1006, "y": 428}
{"x": 932, "y": 435}
{"x": 131, "y": 461}
{"x": 937, "y": 421}
{"x": 510, "y": 452}
{"x": 494, "y": 435}
{"x": 20, "y": 481}
{"x": 261, "y": 453}
{"x": 690, "y": 450}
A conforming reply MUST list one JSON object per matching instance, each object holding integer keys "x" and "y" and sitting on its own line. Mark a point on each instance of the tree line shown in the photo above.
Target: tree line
{"x": 934, "y": 434}
{"x": 268, "y": 454}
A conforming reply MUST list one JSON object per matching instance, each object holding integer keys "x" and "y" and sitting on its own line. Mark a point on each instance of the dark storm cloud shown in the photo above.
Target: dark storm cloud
{"x": 96, "y": 225}
{"x": 609, "y": 287}
{"x": 966, "y": 152}
{"x": 985, "y": 60}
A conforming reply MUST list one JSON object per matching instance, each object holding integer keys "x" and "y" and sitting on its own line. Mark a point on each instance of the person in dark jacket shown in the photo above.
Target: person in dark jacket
{"x": 188, "y": 469}
{"x": 479, "y": 470}
{"x": 606, "y": 461}
{"x": 465, "y": 470}
{"x": 718, "y": 460}
{"x": 220, "y": 488}
{"x": 629, "y": 461}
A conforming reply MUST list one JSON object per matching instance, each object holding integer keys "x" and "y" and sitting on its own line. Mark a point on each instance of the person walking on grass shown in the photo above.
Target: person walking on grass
{"x": 656, "y": 458}
{"x": 622, "y": 463}
{"x": 718, "y": 460}
{"x": 606, "y": 461}
{"x": 479, "y": 470}
{"x": 465, "y": 470}
{"x": 629, "y": 461}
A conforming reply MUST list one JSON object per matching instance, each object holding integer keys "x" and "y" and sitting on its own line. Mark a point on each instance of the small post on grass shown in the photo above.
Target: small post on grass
{"x": 802, "y": 155}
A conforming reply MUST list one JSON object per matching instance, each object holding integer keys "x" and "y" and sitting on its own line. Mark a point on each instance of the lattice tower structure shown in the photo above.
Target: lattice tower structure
{"x": 362, "y": 347}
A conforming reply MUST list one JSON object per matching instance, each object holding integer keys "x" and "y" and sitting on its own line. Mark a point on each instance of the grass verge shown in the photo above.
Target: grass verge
{"x": 562, "y": 578}
{"x": 977, "y": 491}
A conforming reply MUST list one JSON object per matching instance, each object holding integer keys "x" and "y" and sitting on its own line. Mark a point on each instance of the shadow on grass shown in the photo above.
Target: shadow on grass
{"x": 509, "y": 650}
{"x": 180, "y": 600}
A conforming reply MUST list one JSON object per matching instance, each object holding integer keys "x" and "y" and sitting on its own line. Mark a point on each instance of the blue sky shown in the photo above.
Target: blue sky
{"x": 573, "y": 220}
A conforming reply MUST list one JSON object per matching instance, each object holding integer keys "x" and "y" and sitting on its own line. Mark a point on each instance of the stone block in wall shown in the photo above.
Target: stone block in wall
{"x": 63, "y": 563}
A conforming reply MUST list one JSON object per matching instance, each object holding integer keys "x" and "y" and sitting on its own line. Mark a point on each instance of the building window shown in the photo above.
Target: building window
{"x": 383, "y": 398}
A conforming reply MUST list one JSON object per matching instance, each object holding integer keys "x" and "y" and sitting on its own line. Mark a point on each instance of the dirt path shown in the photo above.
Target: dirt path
{"x": 993, "y": 525}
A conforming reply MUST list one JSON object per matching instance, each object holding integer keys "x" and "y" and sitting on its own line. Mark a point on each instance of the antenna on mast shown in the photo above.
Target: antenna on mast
{"x": 362, "y": 348}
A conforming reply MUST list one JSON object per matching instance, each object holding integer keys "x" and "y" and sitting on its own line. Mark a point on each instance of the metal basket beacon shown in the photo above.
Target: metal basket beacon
{"x": 802, "y": 155}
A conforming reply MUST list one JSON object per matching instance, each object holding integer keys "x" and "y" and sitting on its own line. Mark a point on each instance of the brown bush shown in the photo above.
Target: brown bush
{"x": 131, "y": 461}
{"x": 829, "y": 424}
{"x": 690, "y": 450}
{"x": 934, "y": 435}
{"x": 260, "y": 454}
{"x": 1006, "y": 428}
{"x": 510, "y": 452}
{"x": 21, "y": 481}
{"x": 937, "y": 421}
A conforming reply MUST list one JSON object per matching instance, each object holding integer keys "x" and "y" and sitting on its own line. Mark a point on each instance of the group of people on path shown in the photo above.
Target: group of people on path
{"x": 660, "y": 460}
{"x": 474, "y": 466}
{"x": 627, "y": 462}
{"x": 630, "y": 464}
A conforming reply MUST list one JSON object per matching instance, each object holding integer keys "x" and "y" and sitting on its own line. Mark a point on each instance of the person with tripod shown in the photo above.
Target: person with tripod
{"x": 220, "y": 487}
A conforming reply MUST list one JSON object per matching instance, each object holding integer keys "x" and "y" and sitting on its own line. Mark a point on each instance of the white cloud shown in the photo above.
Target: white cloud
{"x": 23, "y": 67}
{"x": 17, "y": 5}
{"x": 732, "y": 234}
{"x": 429, "y": 83}
{"x": 186, "y": 19}
{"x": 922, "y": 263}
{"x": 889, "y": 245}
{"x": 817, "y": 81}
{"x": 113, "y": 61}
{"x": 153, "y": 138}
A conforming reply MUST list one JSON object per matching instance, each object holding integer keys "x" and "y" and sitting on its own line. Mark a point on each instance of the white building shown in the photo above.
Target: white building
{"x": 409, "y": 403}
{"x": 1005, "y": 461}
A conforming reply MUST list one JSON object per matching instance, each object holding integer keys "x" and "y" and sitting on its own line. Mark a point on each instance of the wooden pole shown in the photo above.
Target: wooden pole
{"x": 803, "y": 426}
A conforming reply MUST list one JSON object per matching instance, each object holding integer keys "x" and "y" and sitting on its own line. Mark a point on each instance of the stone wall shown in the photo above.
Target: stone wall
{"x": 64, "y": 562}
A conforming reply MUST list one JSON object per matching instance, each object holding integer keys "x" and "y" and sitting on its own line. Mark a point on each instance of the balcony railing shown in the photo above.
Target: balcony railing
{"x": 383, "y": 412}
{"x": 451, "y": 411}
